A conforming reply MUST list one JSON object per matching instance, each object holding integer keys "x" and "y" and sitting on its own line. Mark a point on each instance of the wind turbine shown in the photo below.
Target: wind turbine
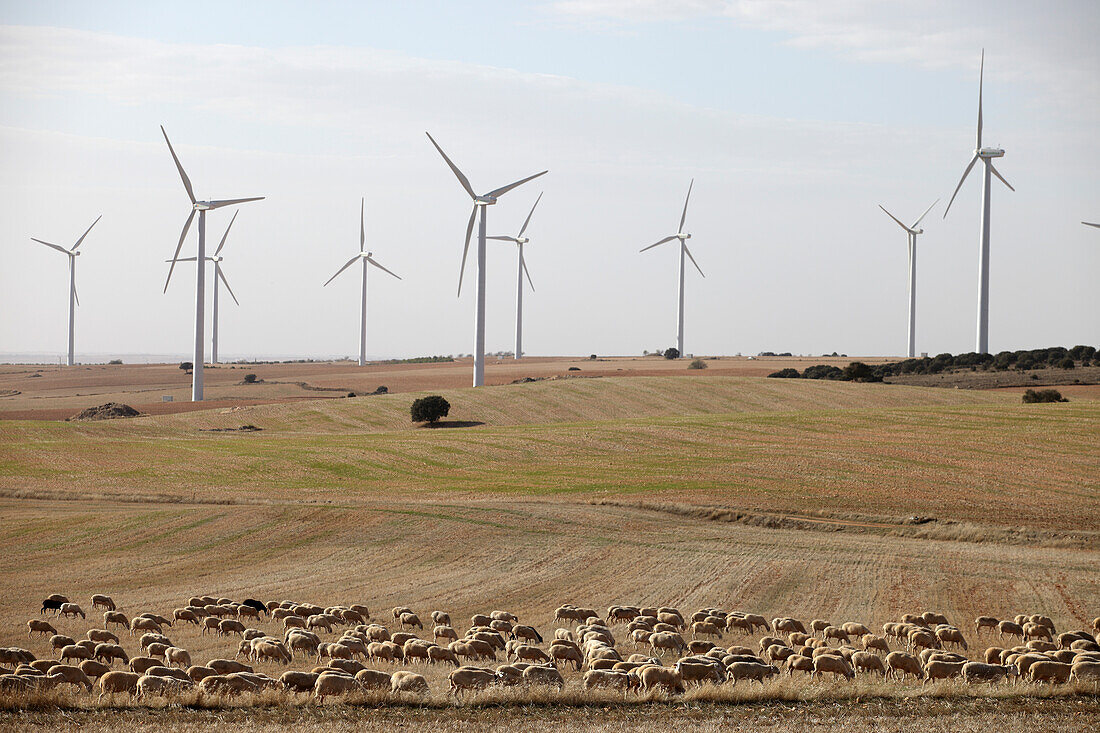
{"x": 912, "y": 231}
{"x": 683, "y": 250}
{"x": 367, "y": 258}
{"x": 521, "y": 240}
{"x": 1090, "y": 224}
{"x": 483, "y": 202}
{"x": 218, "y": 274}
{"x": 986, "y": 155}
{"x": 73, "y": 299}
{"x": 200, "y": 261}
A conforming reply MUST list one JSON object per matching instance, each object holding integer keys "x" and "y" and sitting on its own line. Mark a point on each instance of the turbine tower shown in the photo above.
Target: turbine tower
{"x": 367, "y": 259}
{"x": 521, "y": 240}
{"x": 912, "y": 232}
{"x": 218, "y": 275}
{"x": 683, "y": 250}
{"x": 986, "y": 155}
{"x": 200, "y": 261}
{"x": 73, "y": 299}
{"x": 483, "y": 202}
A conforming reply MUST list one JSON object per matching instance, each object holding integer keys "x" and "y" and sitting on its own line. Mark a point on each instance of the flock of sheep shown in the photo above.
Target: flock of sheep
{"x": 345, "y": 649}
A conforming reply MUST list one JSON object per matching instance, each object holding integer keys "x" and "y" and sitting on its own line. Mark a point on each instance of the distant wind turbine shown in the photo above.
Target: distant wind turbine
{"x": 200, "y": 261}
{"x": 521, "y": 240}
{"x": 1090, "y": 224}
{"x": 480, "y": 202}
{"x": 73, "y": 299}
{"x": 912, "y": 232}
{"x": 986, "y": 155}
{"x": 367, "y": 258}
{"x": 683, "y": 250}
{"x": 218, "y": 275}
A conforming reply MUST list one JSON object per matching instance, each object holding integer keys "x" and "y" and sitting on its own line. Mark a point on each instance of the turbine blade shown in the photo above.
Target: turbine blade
{"x": 347, "y": 264}
{"x": 894, "y": 218}
{"x": 918, "y": 221}
{"x": 183, "y": 175}
{"x": 504, "y": 239}
{"x": 58, "y": 247}
{"x": 454, "y": 168}
{"x": 684, "y": 216}
{"x": 965, "y": 174}
{"x": 527, "y": 221}
{"x": 222, "y": 243}
{"x": 362, "y": 226}
{"x": 998, "y": 174}
{"x": 688, "y": 253}
{"x": 81, "y": 240}
{"x": 666, "y": 239}
{"x": 383, "y": 269}
{"x": 523, "y": 262}
{"x": 505, "y": 189}
{"x": 466, "y": 247}
{"x": 1090, "y": 224}
{"x": 76, "y": 294}
{"x": 981, "y": 81}
{"x": 183, "y": 236}
{"x": 183, "y": 259}
{"x": 230, "y": 202}
{"x": 225, "y": 282}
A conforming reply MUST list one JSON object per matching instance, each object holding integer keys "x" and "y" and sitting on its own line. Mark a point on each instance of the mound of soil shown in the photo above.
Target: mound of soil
{"x": 109, "y": 411}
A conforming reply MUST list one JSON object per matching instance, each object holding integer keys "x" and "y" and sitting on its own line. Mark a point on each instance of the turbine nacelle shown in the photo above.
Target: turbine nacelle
{"x": 485, "y": 200}
{"x": 989, "y": 153}
{"x": 683, "y": 236}
{"x": 203, "y": 206}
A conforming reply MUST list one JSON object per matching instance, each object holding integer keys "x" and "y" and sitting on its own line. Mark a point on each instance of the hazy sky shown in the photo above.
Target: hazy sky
{"x": 795, "y": 118}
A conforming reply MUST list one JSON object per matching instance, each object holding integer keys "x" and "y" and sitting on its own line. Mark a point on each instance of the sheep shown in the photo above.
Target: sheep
{"x": 1085, "y": 669}
{"x": 38, "y": 626}
{"x": 980, "y": 672}
{"x": 566, "y": 654}
{"x": 230, "y": 626}
{"x": 227, "y": 684}
{"x": 705, "y": 628}
{"x": 405, "y": 681}
{"x": 115, "y": 617}
{"x": 142, "y": 624}
{"x": 1037, "y": 631}
{"x": 140, "y": 664}
{"x": 833, "y": 632}
{"x": 521, "y": 631}
{"x": 400, "y": 610}
{"x": 939, "y": 669}
{"x": 228, "y": 666}
{"x": 697, "y": 670}
{"x": 902, "y": 663}
{"x": 834, "y": 665}
{"x": 869, "y": 662}
{"x": 652, "y": 677}
{"x": 410, "y": 620}
{"x": 174, "y": 655}
{"x": 470, "y": 678}
{"x": 101, "y": 601}
{"x": 154, "y": 685}
{"x": 416, "y": 649}
{"x": 985, "y": 622}
{"x": 530, "y": 653}
{"x": 1011, "y": 628}
{"x": 949, "y": 634}
{"x": 101, "y": 636}
{"x": 295, "y": 682}
{"x": 444, "y": 632}
{"x": 271, "y": 650}
{"x": 667, "y": 640}
{"x": 108, "y": 652}
{"x": 59, "y": 641}
{"x": 876, "y": 643}
{"x": 1047, "y": 670}
{"x": 611, "y": 679}
{"x": 116, "y": 682}
{"x": 71, "y": 609}
{"x": 71, "y": 675}
{"x": 74, "y": 651}
{"x": 440, "y": 654}
{"x": 93, "y": 668}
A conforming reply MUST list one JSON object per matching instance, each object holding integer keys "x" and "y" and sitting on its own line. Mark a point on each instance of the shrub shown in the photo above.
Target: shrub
{"x": 573, "y": 369}
{"x": 250, "y": 379}
{"x": 1043, "y": 395}
{"x": 672, "y": 353}
{"x": 1066, "y": 363}
{"x": 787, "y": 373}
{"x": 697, "y": 364}
{"x": 429, "y": 409}
{"x": 822, "y": 371}
{"x": 593, "y": 357}
{"x": 857, "y": 371}
{"x": 186, "y": 366}
{"x": 115, "y": 361}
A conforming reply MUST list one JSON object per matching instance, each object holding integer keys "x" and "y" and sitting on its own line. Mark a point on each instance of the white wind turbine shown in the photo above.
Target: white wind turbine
{"x": 218, "y": 275}
{"x": 680, "y": 235}
{"x": 483, "y": 202}
{"x": 200, "y": 261}
{"x": 521, "y": 240}
{"x": 367, "y": 258}
{"x": 73, "y": 299}
{"x": 986, "y": 155}
{"x": 912, "y": 232}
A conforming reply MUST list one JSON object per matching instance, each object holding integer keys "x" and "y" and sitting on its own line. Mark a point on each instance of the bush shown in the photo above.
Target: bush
{"x": 250, "y": 379}
{"x": 672, "y": 353}
{"x": 429, "y": 409}
{"x": 573, "y": 369}
{"x": 857, "y": 371}
{"x": 822, "y": 371}
{"x": 186, "y": 366}
{"x": 697, "y": 364}
{"x": 1066, "y": 363}
{"x": 115, "y": 361}
{"x": 1043, "y": 395}
{"x": 592, "y": 357}
{"x": 787, "y": 373}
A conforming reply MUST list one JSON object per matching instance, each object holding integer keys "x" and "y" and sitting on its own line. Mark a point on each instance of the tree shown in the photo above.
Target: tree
{"x": 672, "y": 353}
{"x": 697, "y": 364}
{"x": 429, "y": 409}
{"x": 250, "y": 379}
{"x": 787, "y": 373}
{"x": 1043, "y": 395}
{"x": 186, "y": 366}
{"x": 857, "y": 371}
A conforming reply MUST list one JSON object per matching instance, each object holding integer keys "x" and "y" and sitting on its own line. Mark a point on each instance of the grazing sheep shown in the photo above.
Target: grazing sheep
{"x": 227, "y": 684}
{"x": 951, "y": 635}
{"x": 228, "y": 666}
{"x": 1050, "y": 671}
{"x": 667, "y": 640}
{"x": 174, "y": 655}
{"x": 873, "y": 642}
{"x": 198, "y": 673}
{"x": 938, "y": 669}
{"x": 101, "y": 636}
{"x": 993, "y": 655}
{"x": 264, "y": 650}
{"x": 903, "y": 663}
{"x": 139, "y": 665}
{"x": 1011, "y": 628}
{"x": 991, "y": 673}
{"x": 230, "y": 626}
{"x": 698, "y": 670}
{"x": 470, "y": 678}
{"x": 705, "y": 628}
{"x": 834, "y": 665}
{"x": 546, "y": 675}
{"x": 295, "y": 682}
{"x": 606, "y": 678}
{"x": 440, "y": 654}
{"x": 116, "y": 682}
{"x": 73, "y": 651}
{"x": 530, "y": 653}
{"x": 38, "y": 626}
{"x": 108, "y": 652}
{"x": 334, "y": 683}
{"x": 985, "y": 622}
{"x": 441, "y": 618}
{"x": 521, "y": 631}
{"x": 1085, "y": 669}
{"x": 71, "y": 609}
{"x": 1037, "y": 631}
{"x": 400, "y": 610}
{"x": 410, "y": 620}
{"x": 868, "y": 662}
{"x": 142, "y": 624}
{"x": 833, "y": 632}
{"x": 59, "y": 641}
{"x": 405, "y": 681}
{"x": 93, "y": 668}
{"x": 101, "y": 601}
{"x": 444, "y": 632}
{"x": 652, "y": 677}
